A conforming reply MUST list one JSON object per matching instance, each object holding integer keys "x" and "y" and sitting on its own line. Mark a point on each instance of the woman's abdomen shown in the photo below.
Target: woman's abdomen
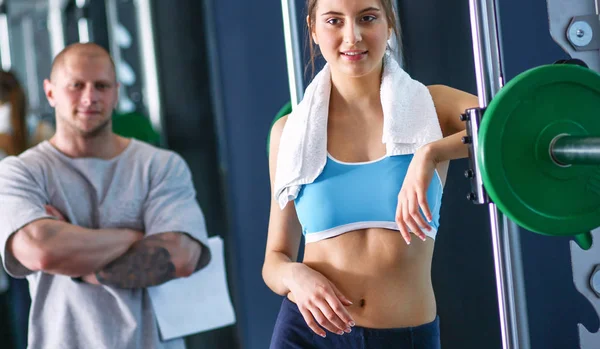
{"x": 388, "y": 281}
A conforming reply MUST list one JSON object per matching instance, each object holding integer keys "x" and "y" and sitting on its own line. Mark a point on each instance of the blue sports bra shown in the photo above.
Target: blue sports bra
{"x": 352, "y": 196}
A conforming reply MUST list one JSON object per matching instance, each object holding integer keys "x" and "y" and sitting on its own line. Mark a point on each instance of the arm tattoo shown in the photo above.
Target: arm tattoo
{"x": 146, "y": 264}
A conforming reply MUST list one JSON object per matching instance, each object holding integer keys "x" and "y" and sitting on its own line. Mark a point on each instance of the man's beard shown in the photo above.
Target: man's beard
{"x": 88, "y": 135}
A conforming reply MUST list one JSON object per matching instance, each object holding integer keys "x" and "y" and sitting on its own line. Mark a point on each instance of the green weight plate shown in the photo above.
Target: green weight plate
{"x": 514, "y": 137}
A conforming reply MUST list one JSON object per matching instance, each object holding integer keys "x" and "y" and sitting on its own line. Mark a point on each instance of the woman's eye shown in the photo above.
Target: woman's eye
{"x": 369, "y": 18}
{"x": 333, "y": 21}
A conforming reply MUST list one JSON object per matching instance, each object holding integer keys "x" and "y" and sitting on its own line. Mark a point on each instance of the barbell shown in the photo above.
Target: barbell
{"x": 539, "y": 151}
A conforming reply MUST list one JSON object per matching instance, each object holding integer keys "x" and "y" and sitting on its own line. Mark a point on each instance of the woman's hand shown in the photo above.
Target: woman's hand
{"x": 413, "y": 195}
{"x": 319, "y": 301}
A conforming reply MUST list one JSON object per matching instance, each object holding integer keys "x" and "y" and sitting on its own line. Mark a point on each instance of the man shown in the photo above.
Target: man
{"x": 92, "y": 219}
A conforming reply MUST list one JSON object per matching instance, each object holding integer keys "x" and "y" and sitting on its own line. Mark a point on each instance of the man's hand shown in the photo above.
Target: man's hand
{"x": 90, "y": 279}
{"x": 52, "y": 211}
{"x": 154, "y": 260}
{"x": 149, "y": 262}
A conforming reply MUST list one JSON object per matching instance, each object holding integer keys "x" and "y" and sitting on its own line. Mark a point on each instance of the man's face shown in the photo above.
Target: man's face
{"x": 84, "y": 93}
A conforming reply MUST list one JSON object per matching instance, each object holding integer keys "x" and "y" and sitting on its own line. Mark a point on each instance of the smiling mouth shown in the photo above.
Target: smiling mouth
{"x": 354, "y": 53}
{"x": 88, "y": 112}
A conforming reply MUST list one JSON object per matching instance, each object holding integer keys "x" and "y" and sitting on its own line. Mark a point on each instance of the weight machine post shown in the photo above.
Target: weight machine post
{"x": 84, "y": 27}
{"x": 5, "y": 49}
{"x": 292, "y": 51}
{"x": 505, "y": 234}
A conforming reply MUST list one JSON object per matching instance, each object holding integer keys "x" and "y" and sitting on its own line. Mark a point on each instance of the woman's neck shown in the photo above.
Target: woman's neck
{"x": 357, "y": 94}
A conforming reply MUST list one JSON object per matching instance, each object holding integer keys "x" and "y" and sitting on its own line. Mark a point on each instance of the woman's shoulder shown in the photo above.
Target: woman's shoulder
{"x": 279, "y": 124}
{"x": 438, "y": 90}
{"x": 444, "y": 92}
{"x": 276, "y": 131}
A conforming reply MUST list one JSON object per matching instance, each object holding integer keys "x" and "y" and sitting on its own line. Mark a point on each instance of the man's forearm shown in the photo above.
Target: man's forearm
{"x": 155, "y": 260}
{"x": 62, "y": 248}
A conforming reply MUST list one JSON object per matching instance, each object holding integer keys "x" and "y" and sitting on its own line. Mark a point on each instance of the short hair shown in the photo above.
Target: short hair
{"x": 87, "y": 48}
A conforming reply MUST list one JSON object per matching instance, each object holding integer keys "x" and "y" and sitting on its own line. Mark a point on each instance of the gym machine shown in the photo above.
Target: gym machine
{"x": 533, "y": 141}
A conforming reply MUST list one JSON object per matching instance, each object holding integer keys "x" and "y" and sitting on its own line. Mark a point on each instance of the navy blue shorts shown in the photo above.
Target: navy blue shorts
{"x": 292, "y": 332}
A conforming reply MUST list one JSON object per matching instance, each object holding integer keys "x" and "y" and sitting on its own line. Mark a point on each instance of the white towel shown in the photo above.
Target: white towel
{"x": 409, "y": 122}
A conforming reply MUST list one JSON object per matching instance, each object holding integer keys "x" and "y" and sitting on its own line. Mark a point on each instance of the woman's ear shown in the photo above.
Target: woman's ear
{"x": 311, "y": 29}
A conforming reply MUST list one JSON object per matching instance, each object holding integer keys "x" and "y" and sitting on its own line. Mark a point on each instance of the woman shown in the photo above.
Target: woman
{"x": 364, "y": 284}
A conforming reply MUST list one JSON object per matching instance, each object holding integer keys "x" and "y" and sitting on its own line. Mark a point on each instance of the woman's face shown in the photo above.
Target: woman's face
{"x": 352, "y": 34}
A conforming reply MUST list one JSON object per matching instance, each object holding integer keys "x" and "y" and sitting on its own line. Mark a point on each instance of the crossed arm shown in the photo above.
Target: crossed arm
{"x": 121, "y": 258}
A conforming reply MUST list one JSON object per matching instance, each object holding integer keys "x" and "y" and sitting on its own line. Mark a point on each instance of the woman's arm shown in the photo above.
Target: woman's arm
{"x": 449, "y": 104}
{"x": 284, "y": 233}
{"x": 318, "y": 300}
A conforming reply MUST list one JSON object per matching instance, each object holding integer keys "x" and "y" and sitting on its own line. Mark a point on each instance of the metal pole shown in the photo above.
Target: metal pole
{"x": 571, "y": 150}
{"x": 112, "y": 19}
{"x": 5, "y": 53}
{"x": 56, "y": 25}
{"x": 292, "y": 51}
{"x": 216, "y": 84}
{"x": 31, "y": 67}
{"x": 505, "y": 239}
{"x": 152, "y": 95}
{"x": 83, "y": 24}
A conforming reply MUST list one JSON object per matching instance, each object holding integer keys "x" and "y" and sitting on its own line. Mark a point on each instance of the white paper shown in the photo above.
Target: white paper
{"x": 195, "y": 304}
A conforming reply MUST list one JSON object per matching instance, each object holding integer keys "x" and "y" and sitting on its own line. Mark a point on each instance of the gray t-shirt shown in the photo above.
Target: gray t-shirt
{"x": 144, "y": 188}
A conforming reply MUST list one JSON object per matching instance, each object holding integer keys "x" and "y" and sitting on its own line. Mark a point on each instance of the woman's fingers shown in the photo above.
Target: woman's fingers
{"x": 422, "y": 198}
{"x": 344, "y": 314}
{"x": 415, "y": 220}
{"x": 400, "y": 221}
{"x": 414, "y": 227}
{"x": 310, "y": 321}
{"x": 322, "y": 320}
{"x": 331, "y": 316}
{"x": 336, "y": 302}
{"x": 411, "y": 212}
